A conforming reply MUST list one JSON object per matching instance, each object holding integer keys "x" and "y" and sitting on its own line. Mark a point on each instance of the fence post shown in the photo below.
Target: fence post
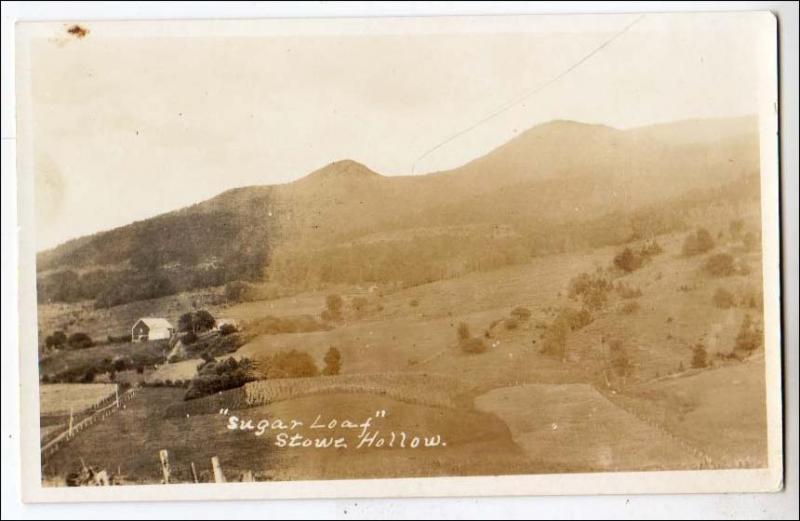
{"x": 70, "y": 420}
{"x": 219, "y": 477}
{"x": 194, "y": 473}
{"x": 247, "y": 476}
{"x": 164, "y": 464}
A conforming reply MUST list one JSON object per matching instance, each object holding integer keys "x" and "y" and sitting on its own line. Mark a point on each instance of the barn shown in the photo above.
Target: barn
{"x": 150, "y": 328}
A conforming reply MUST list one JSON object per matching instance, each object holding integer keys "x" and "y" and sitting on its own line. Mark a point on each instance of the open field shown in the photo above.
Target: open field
{"x": 57, "y": 399}
{"x": 574, "y": 426}
{"x": 722, "y": 411}
{"x": 130, "y": 441}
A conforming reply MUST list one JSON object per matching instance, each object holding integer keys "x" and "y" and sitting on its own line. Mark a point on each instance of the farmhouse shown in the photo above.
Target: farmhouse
{"x": 150, "y": 328}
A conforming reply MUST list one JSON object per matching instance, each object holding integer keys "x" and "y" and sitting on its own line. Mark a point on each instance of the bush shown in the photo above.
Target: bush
{"x": 720, "y": 265}
{"x": 521, "y": 313}
{"x": 462, "y": 332}
{"x": 619, "y": 359}
{"x": 122, "y": 339}
{"x": 79, "y": 341}
{"x": 238, "y": 291}
{"x": 630, "y": 308}
{"x": 189, "y": 338}
{"x": 723, "y": 299}
{"x": 651, "y": 249}
{"x": 627, "y": 260}
{"x": 227, "y": 329}
{"x": 511, "y": 323}
{"x": 196, "y": 321}
{"x": 57, "y": 340}
{"x": 627, "y": 292}
{"x": 699, "y": 357}
{"x": 333, "y": 307}
{"x": 359, "y": 305}
{"x": 414, "y": 303}
{"x": 213, "y": 377}
{"x": 333, "y": 362}
{"x": 474, "y": 345}
{"x": 697, "y": 243}
{"x": 287, "y": 364}
{"x": 592, "y": 290}
{"x": 748, "y": 339}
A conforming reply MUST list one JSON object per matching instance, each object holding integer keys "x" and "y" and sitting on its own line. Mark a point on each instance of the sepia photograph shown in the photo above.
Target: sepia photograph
{"x": 369, "y": 252}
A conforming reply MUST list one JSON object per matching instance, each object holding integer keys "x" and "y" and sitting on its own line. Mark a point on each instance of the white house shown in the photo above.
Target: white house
{"x": 150, "y": 328}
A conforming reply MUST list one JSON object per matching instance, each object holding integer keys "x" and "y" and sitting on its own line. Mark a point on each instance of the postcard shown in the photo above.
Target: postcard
{"x": 423, "y": 256}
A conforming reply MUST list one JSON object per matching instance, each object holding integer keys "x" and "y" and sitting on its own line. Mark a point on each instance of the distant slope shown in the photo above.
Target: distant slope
{"x": 554, "y": 174}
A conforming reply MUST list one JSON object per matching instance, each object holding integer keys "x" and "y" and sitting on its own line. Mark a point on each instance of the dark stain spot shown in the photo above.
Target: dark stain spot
{"x": 78, "y": 31}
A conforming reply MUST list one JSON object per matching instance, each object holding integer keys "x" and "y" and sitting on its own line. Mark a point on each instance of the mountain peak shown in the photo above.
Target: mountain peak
{"x": 343, "y": 169}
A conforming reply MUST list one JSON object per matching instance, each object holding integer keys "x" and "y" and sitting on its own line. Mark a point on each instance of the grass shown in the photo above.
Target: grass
{"x": 722, "y": 411}
{"x": 130, "y": 440}
{"x": 72, "y": 365}
{"x": 573, "y": 426}
{"x": 59, "y": 399}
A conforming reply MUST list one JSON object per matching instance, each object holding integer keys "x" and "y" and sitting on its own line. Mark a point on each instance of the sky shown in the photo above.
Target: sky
{"x": 131, "y": 121}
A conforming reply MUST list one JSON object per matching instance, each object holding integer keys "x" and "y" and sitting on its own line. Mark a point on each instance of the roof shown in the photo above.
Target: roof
{"x": 155, "y": 323}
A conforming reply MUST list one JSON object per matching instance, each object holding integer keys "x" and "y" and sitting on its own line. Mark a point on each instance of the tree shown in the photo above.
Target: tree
{"x": 333, "y": 362}
{"x": 333, "y": 307}
{"x": 79, "y": 341}
{"x": 627, "y": 261}
{"x": 463, "y": 331}
{"x": 720, "y": 265}
{"x": 620, "y": 362}
{"x": 698, "y": 242}
{"x": 748, "y": 338}
{"x": 699, "y": 357}
{"x": 57, "y": 340}
{"x": 196, "y": 322}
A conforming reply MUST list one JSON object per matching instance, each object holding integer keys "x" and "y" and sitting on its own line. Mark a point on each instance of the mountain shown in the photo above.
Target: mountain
{"x": 346, "y": 223}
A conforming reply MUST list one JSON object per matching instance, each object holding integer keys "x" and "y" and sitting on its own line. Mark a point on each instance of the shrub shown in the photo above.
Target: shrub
{"x": 748, "y": 339}
{"x": 472, "y": 345}
{"x": 591, "y": 289}
{"x": 575, "y": 320}
{"x": 227, "y": 329}
{"x": 122, "y": 339}
{"x": 723, "y": 299}
{"x": 213, "y": 377}
{"x": 630, "y": 308}
{"x": 651, "y": 249}
{"x": 196, "y": 321}
{"x": 57, "y": 340}
{"x": 720, "y": 265}
{"x": 521, "y": 313}
{"x": 120, "y": 363}
{"x": 189, "y": 338}
{"x": 359, "y": 305}
{"x": 88, "y": 376}
{"x": 238, "y": 291}
{"x": 462, "y": 331}
{"x": 697, "y": 243}
{"x": 333, "y": 362}
{"x": 619, "y": 360}
{"x": 625, "y": 291}
{"x": 334, "y": 304}
{"x": 414, "y": 303}
{"x": 699, "y": 357}
{"x": 627, "y": 260}
{"x": 79, "y": 341}
{"x": 511, "y": 323}
{"x": 287, "y": 364}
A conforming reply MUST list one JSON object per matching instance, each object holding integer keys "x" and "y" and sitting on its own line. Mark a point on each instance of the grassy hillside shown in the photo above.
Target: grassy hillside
{"x": 557, "y": 187}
